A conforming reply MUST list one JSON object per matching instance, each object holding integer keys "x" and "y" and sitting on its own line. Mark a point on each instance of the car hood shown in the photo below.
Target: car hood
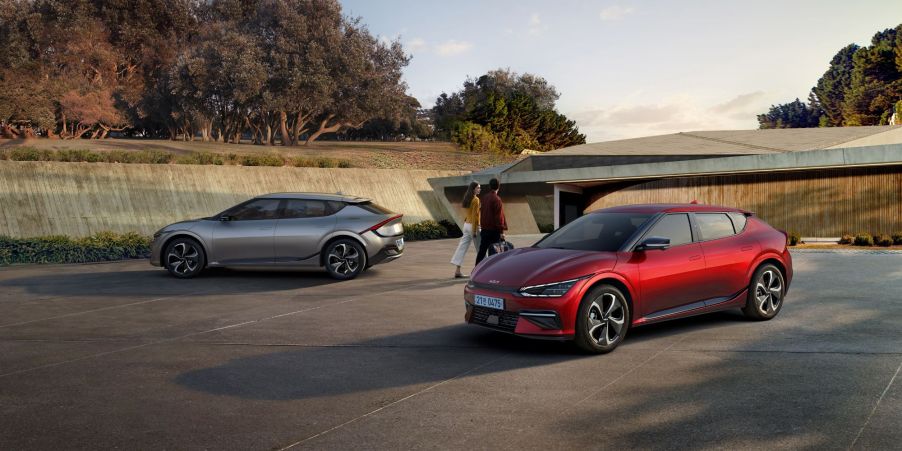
{"x": 183, "y": 225}
{"x": 535, "y": 266}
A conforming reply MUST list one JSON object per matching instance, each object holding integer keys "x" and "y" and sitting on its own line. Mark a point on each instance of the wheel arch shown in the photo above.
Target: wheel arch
{"x": 620, "y": 284}
{"x": 772, "y": 259}
{"x": 185, "y": 234}
{"x": 334, "y": 238}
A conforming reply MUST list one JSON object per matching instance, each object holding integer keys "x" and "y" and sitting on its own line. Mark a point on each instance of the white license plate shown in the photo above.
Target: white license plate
{"x": 490, "y": 302}
{"x": 400, "y": 243}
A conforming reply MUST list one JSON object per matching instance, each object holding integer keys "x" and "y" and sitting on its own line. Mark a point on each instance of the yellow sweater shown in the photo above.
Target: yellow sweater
{"x": 473, "y": 213}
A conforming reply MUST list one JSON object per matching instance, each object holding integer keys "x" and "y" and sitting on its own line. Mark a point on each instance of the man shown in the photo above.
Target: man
{"x": 492, "y": 221}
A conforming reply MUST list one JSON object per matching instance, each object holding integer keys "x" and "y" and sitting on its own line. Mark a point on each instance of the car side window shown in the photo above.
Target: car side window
{"x": 305, "y": 208}
{"x": 255, "y": 209}
{"x": 675, "y": 226}
{"x": 739, "y": 221}
{"x": 714, "y": 225}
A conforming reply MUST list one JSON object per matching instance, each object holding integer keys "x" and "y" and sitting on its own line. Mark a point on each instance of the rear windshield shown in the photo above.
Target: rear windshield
{"x": 603, "y": 232}
{"x": 374, "y": 208}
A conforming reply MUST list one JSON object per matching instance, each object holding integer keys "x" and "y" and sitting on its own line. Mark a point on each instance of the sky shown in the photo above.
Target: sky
{"x": 632, "y": 68}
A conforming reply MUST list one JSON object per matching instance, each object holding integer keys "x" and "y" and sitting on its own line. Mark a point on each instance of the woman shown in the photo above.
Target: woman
{"x": 471, "y": 227}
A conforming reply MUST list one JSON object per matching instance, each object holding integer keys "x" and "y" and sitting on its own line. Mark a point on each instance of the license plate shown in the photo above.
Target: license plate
{"x": 400, "y": 243}
{"x": 490, "y": 302}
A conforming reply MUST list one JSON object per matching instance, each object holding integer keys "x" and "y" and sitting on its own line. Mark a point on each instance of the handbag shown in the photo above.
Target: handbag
{"x": 502, "y": 246}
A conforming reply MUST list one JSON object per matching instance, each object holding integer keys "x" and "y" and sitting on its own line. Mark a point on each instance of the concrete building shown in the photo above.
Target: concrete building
{"x": 819, "y": 182}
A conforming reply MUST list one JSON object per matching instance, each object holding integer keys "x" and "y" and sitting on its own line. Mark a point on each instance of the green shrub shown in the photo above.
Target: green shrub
{"x": 103, "y": 246}
{"x": 425, "y": 230}
{"x": 794, "y": 238}
{"x": 897, "y": 238}
{"x": 883, "y": 240}
{"x": 546, "y": 228}
{"x": 474, "y": 137}
{"x": 304, "y": 162}
{"x": 261, "y": 160}
{"x": 30, "y": 154}
{"x": 451, "y": 229}
{"x": 200, "y": 158}
{"x": 846, "y": 238}
{"x": 863, "y": 239}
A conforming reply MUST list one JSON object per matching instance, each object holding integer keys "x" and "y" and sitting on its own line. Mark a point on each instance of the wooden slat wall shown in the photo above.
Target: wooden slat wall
{"x": 822, "y": 203}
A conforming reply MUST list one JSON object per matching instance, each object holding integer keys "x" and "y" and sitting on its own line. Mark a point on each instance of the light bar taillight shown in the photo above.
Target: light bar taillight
{"x": 384, "y": 223}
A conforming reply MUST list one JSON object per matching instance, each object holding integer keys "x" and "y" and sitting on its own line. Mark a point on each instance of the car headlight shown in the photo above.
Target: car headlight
{"x": 550, "y": 290}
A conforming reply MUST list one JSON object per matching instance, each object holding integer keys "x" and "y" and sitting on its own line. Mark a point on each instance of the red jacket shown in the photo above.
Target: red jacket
{"x": 492, "y": 212}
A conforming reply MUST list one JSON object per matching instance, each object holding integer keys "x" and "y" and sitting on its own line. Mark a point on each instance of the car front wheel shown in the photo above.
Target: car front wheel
{"x": 345, "y": 259}
{"x": 184, "y": 258}
{"x": 766, "y": 292}
{"x": 603, "y": 320}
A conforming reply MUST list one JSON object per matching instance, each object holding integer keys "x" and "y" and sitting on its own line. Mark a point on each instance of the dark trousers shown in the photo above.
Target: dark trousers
{"x": 486, "y": 239}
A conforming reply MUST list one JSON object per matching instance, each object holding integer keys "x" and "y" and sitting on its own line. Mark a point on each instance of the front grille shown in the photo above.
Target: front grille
{"x": 507, "y": 321}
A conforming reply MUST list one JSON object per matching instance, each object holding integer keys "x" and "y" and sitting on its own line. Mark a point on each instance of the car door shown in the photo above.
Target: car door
{"x": 727, "y": 254}
{"x": 300, "y": 229}
{"x": 674, "y": 277}
{"x": 244, "y": 234}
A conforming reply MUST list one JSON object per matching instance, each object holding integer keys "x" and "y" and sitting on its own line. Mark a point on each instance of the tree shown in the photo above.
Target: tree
{"x": 832, "y": 86}
{"x": 517, "y": 110}
{"x": 876, "y": 80}
{"x": 791, "y": 115}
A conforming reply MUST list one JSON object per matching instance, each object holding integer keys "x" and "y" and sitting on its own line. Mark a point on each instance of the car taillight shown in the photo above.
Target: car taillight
{"x": 390, "y": 227}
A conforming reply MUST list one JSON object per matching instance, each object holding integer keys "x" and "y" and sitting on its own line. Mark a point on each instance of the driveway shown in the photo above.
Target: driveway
{"x": 121, "y": 355}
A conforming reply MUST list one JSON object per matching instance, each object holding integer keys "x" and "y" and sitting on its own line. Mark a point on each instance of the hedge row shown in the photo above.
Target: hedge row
{"x": 164, "y": 157}
{"x": 103, "y": 246}
{"x": 866, "y": 239}
{"x": 431, "y": 230}
{"x": 109, "y": 246}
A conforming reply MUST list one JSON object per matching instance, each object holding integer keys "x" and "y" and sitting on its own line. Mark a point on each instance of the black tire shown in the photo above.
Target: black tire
{"x": 344, "y": 259}
{"x": 600, "y": 335}
{"x": 766, "y": 291}
{"x": 184, "y": 258}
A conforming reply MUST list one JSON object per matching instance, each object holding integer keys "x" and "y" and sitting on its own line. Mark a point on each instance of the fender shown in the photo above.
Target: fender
{"x": 340, "y": 234}
{"x": 765, "y": 255}
{"x": 610, "y": 274}
{"x": 187, "y": 233}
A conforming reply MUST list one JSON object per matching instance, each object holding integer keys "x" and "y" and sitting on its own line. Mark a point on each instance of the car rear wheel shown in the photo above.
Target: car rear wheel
{"x": 184, "y": 258}
{"x": 602, "y": 320}
{"x": 765, "y": 298}
{"x": 345, "y": 259}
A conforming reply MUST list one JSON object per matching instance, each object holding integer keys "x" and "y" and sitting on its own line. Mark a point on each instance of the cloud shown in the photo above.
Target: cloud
{"x": 416, "y": 45}
{"x": 535, "y": 25}
{"x": 453, "y": 47}
{"x": 615, "y": 12}
{"x": 740, "y": 103}
{"x": 535, "y": 20}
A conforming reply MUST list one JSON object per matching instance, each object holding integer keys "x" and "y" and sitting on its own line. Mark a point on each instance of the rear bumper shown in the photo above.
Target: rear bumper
{"x": 382, "y": 249}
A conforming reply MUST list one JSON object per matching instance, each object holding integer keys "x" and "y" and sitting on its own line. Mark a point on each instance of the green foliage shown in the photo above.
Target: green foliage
{"x": 474, "y": 137}
{"x": 794, "y": 238}
{"x": 883, "y": 240}
{"x": 304, "y": 162}
{"x": 507, "y": 112}
{"x": 546, "y": 228}
{"x": 425, "y": 230}
{"x": 846, "y": 239}
{"x": 206, "y": 158}
{"x": 861, "y": 86}
{"x": 453, "y": 231}
{"x": 863, "y": 239}
{"x": 791, "y": 115}
{"x": 897, "y": 238}
{"x": 103, "y": 246}
{"x": 261, "y": 160}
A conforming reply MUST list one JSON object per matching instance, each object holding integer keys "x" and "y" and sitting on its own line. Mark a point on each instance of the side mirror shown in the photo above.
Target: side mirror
{"x": 225, "y": 218}
{"x": 654, "y": 242}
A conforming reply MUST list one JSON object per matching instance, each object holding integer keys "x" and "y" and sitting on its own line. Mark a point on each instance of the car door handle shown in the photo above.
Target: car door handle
{"x": 745, "y": 248}
{"x": 695, "y": 257}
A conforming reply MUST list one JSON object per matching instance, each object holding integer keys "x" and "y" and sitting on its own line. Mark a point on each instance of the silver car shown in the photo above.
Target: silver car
{"x": 343, "y": 234}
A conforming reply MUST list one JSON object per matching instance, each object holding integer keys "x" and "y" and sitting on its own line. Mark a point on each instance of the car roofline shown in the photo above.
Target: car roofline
{"x": 315, "y": 196}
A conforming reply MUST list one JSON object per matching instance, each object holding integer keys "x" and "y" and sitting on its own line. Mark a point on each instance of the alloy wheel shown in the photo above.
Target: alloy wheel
{"x": 183, "y": 258}
{"x": 344, "y": 259}
{"x": 768, "y": 292}
{"x": 606, "y": 318}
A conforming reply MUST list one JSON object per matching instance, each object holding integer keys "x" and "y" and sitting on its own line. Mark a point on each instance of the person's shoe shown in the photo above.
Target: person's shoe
{"x": 460, "y": 276}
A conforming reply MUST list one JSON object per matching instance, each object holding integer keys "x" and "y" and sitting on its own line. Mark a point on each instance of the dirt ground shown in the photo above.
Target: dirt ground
{"x": 381, "y": 155}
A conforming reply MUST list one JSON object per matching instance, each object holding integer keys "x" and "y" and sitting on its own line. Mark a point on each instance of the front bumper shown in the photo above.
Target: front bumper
{"x": 544, "y": 318}
{"x": 156, "y": 249}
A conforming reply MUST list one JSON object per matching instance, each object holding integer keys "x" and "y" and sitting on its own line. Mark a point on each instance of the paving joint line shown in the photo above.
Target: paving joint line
{"x": 874, "y": 410}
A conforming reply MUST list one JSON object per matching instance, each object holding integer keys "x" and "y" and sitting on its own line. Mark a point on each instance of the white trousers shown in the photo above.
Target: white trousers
{"x": 464, "y": 243}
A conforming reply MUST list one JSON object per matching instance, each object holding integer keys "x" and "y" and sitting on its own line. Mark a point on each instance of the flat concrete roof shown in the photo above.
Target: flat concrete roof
{"x": 739, "y": 142}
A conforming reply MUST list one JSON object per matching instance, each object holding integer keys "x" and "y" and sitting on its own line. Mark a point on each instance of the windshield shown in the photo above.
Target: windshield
{"x": 603, "y": 232}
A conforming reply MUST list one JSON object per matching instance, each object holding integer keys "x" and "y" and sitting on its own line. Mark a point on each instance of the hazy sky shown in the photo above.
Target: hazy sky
{"x": 632, "y": 68}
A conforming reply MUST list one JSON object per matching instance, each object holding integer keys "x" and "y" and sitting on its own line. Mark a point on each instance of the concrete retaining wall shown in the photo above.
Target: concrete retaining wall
{"x": 78, "y": 199}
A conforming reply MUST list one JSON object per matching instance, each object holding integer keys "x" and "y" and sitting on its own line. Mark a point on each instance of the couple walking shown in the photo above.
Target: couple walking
{"x": 484, "y": 225}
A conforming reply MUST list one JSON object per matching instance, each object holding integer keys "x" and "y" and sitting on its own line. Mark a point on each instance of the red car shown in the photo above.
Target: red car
{"x": 621, "y": 267}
